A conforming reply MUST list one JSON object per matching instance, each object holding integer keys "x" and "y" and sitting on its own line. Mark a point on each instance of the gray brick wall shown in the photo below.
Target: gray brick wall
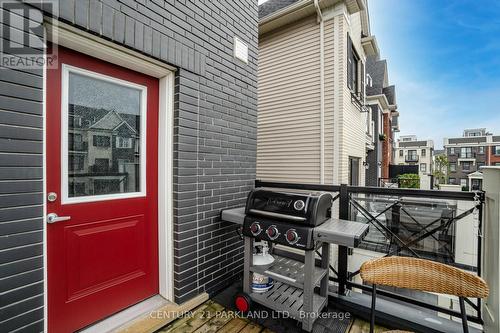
{"x": 214, "y": 138}
{"x": 215, "y": 117}
{"x": 21, "y": 184}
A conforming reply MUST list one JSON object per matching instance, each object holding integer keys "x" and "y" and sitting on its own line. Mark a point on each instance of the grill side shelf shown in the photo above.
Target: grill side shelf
{"x": 286, "y": 298}
{"x": 288, "y": 271}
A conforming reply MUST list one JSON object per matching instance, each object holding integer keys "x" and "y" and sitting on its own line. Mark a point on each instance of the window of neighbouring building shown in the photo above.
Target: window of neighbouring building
{"x": 401, "y": 153}
{"x": 75, "y": 162}
{"x": 497, "y": 163}
{"x": 101, "y": 165}
{"x": 101, "y": 141}
{"x": 423, "y": 167}
{"x": 75, "y": 141}
{"x": 480, "y": 164}
{"x": 353, "y": 62}
{"x": 412, "y": 155}
{"x": 452, "y": 180}
{"x": 466, "y": 152}
{"x": 481, "y": 150}
{"x": 122, "y": 142}
{"x": 496, "y": 150}
{"x": 452, "y": 151}
{"x": 466, "y": 166}
{"x": 453, "y": 167}
{"x": 424, "y": 152}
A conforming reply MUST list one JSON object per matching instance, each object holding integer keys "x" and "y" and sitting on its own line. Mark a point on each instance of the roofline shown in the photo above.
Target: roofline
{"x": 381, "y": 98}
{"x": 370, "y": 45}
{"x": 301, "y": 9}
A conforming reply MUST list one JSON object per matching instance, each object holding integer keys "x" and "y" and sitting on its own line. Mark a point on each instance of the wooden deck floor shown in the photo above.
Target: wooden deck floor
{"x": 212, "y": 317}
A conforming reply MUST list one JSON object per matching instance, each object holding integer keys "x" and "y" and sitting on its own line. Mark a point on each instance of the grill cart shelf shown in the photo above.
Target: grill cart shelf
{"x": 293, "y": 290}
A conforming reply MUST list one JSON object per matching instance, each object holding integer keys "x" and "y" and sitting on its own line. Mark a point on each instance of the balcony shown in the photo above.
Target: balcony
{"x": 411, "y": 158}
{"x": 433, "y": 225}
{"x": 357, "y": 100}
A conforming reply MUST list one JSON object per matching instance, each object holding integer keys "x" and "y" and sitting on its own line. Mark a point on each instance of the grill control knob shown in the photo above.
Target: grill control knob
{"x": 272, "y": 232}
{"x": 291, "y": 236}
{"x": 255, "y": 229}
{"x": 299, "y": 205}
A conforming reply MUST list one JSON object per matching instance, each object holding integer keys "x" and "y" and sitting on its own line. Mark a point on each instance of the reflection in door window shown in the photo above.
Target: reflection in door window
{"x": 104, "y": 144}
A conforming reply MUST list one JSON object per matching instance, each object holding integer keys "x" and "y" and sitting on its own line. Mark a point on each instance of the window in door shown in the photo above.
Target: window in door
{"x": 354, "y": 171}
{"x": 108, "y": 108}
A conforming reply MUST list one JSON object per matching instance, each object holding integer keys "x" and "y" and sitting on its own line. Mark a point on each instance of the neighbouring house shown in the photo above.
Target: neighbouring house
{"x": 383, "y": 116}
{"x": 411, "y": 151}
{"x": 312, "y": 118}
{"x": 476, "y": 148}
{"x": 118, "y": 155}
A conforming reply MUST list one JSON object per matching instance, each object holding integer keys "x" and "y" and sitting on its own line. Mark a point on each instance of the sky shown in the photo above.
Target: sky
{"x": 444, "y": 58}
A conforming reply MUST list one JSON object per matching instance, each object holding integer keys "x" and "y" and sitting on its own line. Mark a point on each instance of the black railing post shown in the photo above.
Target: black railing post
{"x": 395, "y": 218}
{"x": 343, "y": 251}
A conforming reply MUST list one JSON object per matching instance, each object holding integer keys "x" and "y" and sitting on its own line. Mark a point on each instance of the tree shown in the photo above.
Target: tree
{"x": 409, "y": 180}
{"x": 441, "y": 169}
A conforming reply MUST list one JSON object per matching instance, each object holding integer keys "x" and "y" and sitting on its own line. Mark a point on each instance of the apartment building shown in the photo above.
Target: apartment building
{"x": 411, "y": 151}
{"x": 467, "y": 154}
{"x": 382, "y": 119}
{"x": 312, "y": 118}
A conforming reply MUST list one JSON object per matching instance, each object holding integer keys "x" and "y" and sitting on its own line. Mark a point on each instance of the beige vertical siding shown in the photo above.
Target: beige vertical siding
{"x": 329, "y": 102}
{"x": 288, "y": 144}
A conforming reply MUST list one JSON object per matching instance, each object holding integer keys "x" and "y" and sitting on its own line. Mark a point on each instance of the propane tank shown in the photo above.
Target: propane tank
{"x": 261, "y": 257}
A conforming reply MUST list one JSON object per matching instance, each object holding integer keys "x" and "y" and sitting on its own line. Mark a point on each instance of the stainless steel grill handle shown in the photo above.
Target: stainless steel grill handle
{"x": 277, "y": 215}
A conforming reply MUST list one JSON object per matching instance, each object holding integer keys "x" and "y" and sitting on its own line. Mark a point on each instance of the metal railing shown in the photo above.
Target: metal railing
{"x": 405, "y": 222}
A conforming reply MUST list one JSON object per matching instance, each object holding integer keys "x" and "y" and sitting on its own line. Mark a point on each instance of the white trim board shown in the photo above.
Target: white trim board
{"x": 73, "y": 38}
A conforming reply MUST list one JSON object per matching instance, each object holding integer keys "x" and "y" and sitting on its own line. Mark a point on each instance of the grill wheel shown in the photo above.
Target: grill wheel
{"x": 242, "y": 302}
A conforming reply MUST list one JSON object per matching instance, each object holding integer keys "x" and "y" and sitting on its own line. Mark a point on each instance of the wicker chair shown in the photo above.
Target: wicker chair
{"x": 423, "y": 275}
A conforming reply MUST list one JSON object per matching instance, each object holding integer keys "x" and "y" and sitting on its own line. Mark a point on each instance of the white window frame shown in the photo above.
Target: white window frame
{"x": 424, "y": 169}
{"x": 128, "y": 140}
{"x": 65, "y": 199}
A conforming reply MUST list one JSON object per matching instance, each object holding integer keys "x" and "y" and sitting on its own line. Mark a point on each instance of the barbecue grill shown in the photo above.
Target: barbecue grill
{"x": 297, "y": 220}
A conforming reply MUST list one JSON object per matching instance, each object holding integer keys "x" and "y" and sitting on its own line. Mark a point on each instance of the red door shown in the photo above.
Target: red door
{"x": 102, "y": 143}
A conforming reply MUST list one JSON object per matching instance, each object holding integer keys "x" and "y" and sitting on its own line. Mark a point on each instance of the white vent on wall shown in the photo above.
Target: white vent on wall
{"x": 240, "y": 50}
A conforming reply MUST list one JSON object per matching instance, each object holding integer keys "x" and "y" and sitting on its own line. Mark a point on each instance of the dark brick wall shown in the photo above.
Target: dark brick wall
{"x": 215, "y": 117}
{"x": 21, "y": 186}
{"x": 214, "y": 138}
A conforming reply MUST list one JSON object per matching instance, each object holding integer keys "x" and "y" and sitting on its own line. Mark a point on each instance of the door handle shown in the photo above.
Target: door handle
{"x": 53, "y": 218}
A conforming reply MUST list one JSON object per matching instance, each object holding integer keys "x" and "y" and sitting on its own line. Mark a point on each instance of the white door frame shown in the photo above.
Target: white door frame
{"x": 78, "y": 40}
